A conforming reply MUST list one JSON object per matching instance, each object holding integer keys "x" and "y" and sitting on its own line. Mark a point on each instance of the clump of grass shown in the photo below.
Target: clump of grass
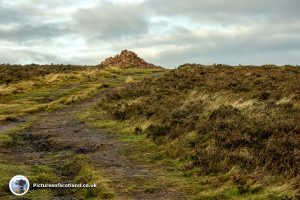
{"x": 89, "y": 175}
{"x": 43, "y": 174}
{"x": 6, "y": 139}
{"x": 7, "y": 136}
{"x": 80, "y": 171}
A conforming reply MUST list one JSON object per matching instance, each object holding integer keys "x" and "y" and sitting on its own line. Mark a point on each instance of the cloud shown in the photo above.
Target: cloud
{"x": 30, "y": 22}
{"x": 111, "y": 21}
{"x": 25, "y": 33}
{"x": 27, "y": 56}
{"x": 227, "y": 12}
{"x": 164, "y": 32}
{"x": 238, "y": 45}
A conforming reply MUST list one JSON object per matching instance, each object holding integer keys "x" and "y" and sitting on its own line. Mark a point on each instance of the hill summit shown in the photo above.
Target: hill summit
{"x": 127, "y": 59}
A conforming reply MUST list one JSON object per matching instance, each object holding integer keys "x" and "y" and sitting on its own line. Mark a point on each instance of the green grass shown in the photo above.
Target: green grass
{"x": 35, "y": 173}
{"x": 88, "y": 174}
{"x": 77, "y": 169}
{"x": 74, "y": 167}
{"x": 6, "y": 137}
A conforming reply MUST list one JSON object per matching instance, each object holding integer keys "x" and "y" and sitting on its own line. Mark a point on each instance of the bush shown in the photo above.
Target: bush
{"x": 157, "y": 130}
{"x": 264, "y": 95}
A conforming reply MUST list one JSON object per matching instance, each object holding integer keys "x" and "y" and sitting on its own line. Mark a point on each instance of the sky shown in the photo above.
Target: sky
{"x": 164, "y": 32}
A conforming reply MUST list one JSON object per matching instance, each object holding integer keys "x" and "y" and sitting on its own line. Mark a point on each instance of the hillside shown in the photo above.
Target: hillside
{"x": 15, "y": 73}
{"x": 195, "y": 132}
{"x": 42, "y": 137}
{"x": 239, "y": 125}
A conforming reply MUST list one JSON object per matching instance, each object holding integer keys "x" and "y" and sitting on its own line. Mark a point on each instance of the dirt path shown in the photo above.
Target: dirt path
{"x": 60, "y": 132}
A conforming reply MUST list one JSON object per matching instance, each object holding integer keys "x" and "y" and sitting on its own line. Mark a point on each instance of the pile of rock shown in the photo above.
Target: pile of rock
{"x": 127, "y": 59}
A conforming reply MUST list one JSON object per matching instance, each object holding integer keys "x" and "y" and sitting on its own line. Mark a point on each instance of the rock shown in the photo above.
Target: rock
{"x": 127, "y": 59}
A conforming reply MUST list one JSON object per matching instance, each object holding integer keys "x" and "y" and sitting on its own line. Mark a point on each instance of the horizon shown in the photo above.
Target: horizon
{"x": 163, "y": 33}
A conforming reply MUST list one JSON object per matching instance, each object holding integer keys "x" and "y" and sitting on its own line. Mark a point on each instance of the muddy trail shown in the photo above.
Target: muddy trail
{"x": 61, "y": 132}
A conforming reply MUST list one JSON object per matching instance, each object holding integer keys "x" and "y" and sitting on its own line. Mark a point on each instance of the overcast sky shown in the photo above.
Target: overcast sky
{"x": 164, "y": 32}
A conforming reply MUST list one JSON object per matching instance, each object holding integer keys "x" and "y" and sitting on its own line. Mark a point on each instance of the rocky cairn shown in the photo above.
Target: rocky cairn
{"x": 127, "y": 59}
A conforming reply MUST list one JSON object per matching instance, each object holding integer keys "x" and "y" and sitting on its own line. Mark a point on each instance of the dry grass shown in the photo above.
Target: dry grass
{"x": 57, "y": 87}
{"x": 216, "y": 118}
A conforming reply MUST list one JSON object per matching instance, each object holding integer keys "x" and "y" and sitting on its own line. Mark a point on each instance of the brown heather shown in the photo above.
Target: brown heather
{"x": 216, "y": 118}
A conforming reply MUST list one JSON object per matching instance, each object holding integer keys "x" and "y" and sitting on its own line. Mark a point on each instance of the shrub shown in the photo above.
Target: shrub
{"x": 157, "y": 130}
{"x": 264, "y": 95}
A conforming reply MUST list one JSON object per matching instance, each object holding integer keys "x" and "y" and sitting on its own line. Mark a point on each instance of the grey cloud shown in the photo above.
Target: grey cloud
{"x": 26, "y": 33}
{"x": 20, "y": 13}
{"x": 26, "y": 56}
{"x": 111, "y": 21}
{"x": 174, "y": 57}
{"x": 227, "y": 12}
{"x": 26, "y": 22}
{"x": 258, "y": 45}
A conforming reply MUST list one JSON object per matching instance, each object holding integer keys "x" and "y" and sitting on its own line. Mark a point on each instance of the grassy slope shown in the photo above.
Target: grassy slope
{"x": 203, "y": 125}
{"x": 54, "y": 90}
{"x": 48, "y": 92}
{"x": 232, "y": 132}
